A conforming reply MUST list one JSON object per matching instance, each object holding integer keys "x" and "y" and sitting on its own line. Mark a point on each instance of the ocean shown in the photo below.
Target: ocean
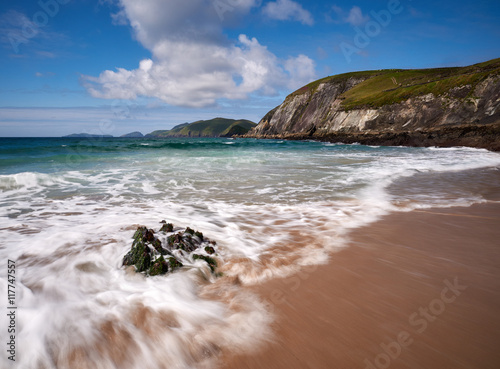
{"x": 69, "y": 209}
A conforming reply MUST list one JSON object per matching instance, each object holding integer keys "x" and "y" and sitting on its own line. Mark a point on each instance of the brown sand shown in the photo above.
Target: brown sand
{"x": 413, "y": 290}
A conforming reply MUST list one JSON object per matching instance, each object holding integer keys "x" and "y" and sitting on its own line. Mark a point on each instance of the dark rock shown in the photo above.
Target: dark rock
{"x": 174, "y": 240}
{"x": 157, "y": 244}
{"x": 159, "y": 267}
{"x": 167, "y": 227}
{"x": 149, "y": 235}
{"x": 147, "y": 251}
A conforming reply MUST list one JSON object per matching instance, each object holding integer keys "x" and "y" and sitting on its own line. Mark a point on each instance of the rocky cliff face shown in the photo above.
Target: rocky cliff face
{"x": 319, "y": 111}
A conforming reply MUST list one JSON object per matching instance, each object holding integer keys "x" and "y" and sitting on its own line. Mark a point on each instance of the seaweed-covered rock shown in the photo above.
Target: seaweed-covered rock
{"x": 127, "y": 259}
{"x": 174, "y": 239}
{"x": 167, "y": 227}
{"x": 159, "y": 267}
{"x": 157, "y": 244}
{"x": 148, "y": 251}
{"x": 137, "y": 254}
{"x": 174, "y": 263}
{"x": 139, "y": 234}
{"x": 212, "y": 263}
{"x": 144, "y": 262}
{"x": 183, "y": 241}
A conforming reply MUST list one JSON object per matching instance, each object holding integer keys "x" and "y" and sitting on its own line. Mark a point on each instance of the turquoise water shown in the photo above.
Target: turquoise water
{"x": 69, "y": 207}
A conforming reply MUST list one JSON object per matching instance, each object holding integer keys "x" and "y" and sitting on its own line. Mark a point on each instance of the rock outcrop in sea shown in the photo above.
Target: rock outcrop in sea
{"x": 428, "y": 107}
{"x": 155, "y": 253}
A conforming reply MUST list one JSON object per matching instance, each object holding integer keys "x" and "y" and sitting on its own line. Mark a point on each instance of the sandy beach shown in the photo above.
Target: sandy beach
{"x": 413, "y": 290}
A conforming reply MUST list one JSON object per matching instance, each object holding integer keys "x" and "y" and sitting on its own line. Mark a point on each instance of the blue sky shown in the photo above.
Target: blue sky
{"x": 116, "y": 66}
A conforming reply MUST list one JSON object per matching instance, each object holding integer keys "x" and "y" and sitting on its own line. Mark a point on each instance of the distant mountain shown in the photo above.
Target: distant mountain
{"x": 217, "y": 127}
{"x": 179, "y": 126}
{"x": 86, "y": 135}
{"x": 135, "y": 134}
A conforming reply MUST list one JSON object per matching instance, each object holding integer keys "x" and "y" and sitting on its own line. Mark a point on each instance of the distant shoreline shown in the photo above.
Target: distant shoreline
{"x": 480, "y": 137}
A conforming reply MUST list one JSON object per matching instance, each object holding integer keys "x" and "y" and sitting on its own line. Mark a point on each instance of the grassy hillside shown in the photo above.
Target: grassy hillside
{"x": 217, "y": 127}
{"x": 383, "y": 87}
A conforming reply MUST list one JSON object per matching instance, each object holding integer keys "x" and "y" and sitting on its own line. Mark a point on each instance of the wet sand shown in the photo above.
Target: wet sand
{"x": 413, "y": 290}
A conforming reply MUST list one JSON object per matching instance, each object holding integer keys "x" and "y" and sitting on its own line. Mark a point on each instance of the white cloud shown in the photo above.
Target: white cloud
{"x": 192, "y": 63}
{"x": 45, "y": 74}
{"x": 288, "y": 10}
{"x": 355, "y": 16}
{"x": 302, "y": 68}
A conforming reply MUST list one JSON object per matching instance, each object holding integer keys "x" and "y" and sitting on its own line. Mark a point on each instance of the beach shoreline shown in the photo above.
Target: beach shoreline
{"x": 412, "y": 290}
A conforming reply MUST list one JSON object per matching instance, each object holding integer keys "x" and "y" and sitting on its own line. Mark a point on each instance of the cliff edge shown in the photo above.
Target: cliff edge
{"x": 427, "y": 107}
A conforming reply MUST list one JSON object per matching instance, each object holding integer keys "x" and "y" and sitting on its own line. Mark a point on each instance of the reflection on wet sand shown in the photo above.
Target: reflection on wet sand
{"x": 413, "y": 290}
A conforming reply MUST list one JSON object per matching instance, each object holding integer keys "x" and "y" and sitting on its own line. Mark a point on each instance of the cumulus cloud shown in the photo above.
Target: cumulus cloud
{"x": 196, "y": 75}
{"x": 288, "y": 10}
{"x": 193, "y": 64}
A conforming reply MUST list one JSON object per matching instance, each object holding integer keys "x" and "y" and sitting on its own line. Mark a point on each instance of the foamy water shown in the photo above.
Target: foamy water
{"x": 69, "y": 208}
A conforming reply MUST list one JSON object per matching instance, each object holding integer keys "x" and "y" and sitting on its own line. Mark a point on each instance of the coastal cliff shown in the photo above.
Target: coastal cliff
{"x": 427, "y": 107}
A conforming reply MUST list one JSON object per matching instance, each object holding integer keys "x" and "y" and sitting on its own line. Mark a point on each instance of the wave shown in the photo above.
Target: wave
{"x": 27, "y": 180}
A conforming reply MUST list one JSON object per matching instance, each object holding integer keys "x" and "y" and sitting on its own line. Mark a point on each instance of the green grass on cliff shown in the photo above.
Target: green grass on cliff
{"x": 335, "y": 79}
{"x": 384, "y": 87}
